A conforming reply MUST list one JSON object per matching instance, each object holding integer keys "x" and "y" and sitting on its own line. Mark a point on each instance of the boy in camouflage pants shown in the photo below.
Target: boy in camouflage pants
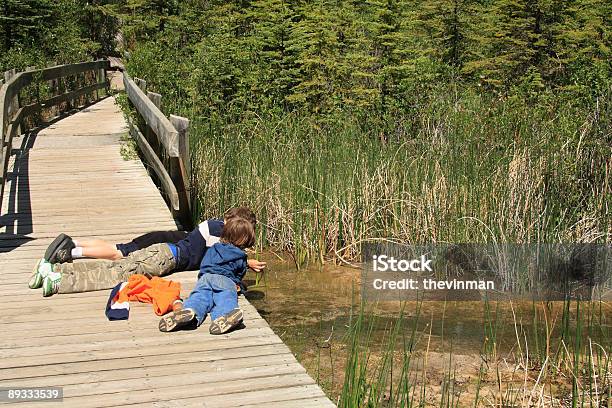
{"x": 156, "y": 260}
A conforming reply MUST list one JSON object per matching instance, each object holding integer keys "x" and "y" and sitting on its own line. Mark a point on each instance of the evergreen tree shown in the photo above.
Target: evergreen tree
{"x": 445, "y": 27}
{"x": 313, "y": 41}
{"x": 25, "y": 22}
{"x": 356, "y": 78}
{"x": 584, "y": 46}
{"x": 388, "y": 44}
{"x": 274, "y": 64}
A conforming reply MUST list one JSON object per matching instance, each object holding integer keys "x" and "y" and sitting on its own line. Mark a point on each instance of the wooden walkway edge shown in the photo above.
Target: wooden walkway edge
{"x": 70, "y": 177}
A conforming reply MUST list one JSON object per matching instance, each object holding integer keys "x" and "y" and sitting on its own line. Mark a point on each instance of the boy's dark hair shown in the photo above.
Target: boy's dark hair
{"x": 242, "y": 212}
{"x": 238, "y": 231}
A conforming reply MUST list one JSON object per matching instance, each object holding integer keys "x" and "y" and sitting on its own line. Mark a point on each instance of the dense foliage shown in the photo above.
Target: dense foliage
{"x": 42, "y": 32}
{"x": 382, "y": 55}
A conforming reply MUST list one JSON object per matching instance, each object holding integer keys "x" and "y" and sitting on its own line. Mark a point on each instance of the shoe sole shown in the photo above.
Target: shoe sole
{"x": 227, "y": 322}
{"x": 174, "y": 320}
{"x": 36, "y": 280}
{"x": 55, "y": 245}
{"x": 61, "y": 256}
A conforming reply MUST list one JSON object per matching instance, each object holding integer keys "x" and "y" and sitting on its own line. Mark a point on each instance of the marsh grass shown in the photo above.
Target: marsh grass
{"x": 473, "y": 169}
{"x": 460, "y": 166}
{"x": 542, "y": 369}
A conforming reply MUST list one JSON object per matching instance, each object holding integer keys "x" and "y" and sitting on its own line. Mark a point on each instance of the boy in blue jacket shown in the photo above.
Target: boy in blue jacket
{"x": 222, "y": 268}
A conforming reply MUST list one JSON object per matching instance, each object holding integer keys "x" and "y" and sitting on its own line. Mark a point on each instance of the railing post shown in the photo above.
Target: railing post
{"x": 67, "y": 87}
{"x": 180, "y": 170}
{"x": 140, "y": 121}
{"x": 52, "y": 83}
{"x": 2, "y": 150}
{"x": 15, "y": 102}
{"x": 149, "y": 134}
{"x": 142, "y": 84}
{"x": 34, "y": 118}
{"x": 101, "y": 78}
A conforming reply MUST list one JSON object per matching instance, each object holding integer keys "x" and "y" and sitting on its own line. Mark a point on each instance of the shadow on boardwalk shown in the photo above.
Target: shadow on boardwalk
{"x": 16, "y": 218}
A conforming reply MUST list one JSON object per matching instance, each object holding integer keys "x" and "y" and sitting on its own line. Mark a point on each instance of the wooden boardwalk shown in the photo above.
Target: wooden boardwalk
{"x": 70, "y": 177}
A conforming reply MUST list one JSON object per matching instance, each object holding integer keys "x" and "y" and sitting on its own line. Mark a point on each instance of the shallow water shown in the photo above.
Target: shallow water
{"x": 310, "y": 310}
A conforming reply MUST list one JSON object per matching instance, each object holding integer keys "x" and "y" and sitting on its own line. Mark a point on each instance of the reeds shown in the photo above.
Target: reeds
{"x": 471, "y": 171}
{"x": 574, "y": 370}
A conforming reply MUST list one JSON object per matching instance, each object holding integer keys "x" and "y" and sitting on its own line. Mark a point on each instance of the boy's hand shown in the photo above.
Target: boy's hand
{"x": 256, "y": 265}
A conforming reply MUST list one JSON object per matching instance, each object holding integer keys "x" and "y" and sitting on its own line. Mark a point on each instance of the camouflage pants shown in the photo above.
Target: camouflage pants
{"x": 155, "y": 260}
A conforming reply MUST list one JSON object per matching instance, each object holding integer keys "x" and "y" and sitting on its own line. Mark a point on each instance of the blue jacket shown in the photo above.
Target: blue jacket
{"x": 225, "y": 259}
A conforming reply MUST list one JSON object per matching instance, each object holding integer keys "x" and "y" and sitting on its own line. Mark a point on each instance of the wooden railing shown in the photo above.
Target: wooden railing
{"x": 164, "y": 146}
{"x": 66, "y": 88}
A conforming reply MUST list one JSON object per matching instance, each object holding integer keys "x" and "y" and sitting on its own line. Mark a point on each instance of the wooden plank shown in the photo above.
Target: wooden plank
{"x": 142, "y": 320}
{"x": 157, "y": 166}
{"x": 167, "y": 135}
{"x": 291, "y": 396}
{"x": 151, "y": 350}
{"x": 309, "y": 395}
{"x": 311, "y": 399}
{"x": 115, "y": 227}
{"x": 153, "y": 216}
{"x": 42, "y": 314}
{"x": 59, "y": 350}
{"x": 229, "y": 383}
{"x": 91, "y": 333}
{"x": 220, "y": 363}
{"x": 164, "y": 359}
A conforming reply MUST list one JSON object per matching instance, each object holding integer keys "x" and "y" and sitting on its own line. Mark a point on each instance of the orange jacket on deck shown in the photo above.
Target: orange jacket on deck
{"x": 160, "y": 292}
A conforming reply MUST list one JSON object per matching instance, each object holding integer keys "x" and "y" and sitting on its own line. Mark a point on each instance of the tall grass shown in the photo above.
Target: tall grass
{"x": 473, "y": 169}
{"x": 456, "y": 165}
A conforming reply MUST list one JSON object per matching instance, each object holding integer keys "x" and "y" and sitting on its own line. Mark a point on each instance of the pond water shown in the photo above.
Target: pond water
{"x": 310, "y": 309}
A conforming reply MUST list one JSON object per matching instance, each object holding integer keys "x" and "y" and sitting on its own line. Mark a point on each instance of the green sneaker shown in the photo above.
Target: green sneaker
{"x": 41, "y": 270}
{"x": 51, "y": 283}
{"x": 227, "y": 322}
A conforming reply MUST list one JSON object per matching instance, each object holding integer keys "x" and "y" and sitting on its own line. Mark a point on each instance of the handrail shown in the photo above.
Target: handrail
{"x": 12, "y": 115}
{"x": 164, "y": 144}
{"x": 151, "y": 114}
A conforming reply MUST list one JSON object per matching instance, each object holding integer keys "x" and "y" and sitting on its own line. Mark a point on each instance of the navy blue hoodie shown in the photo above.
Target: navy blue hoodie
{"x": 225, "y": 259}
{"x": 191, "y": 249}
